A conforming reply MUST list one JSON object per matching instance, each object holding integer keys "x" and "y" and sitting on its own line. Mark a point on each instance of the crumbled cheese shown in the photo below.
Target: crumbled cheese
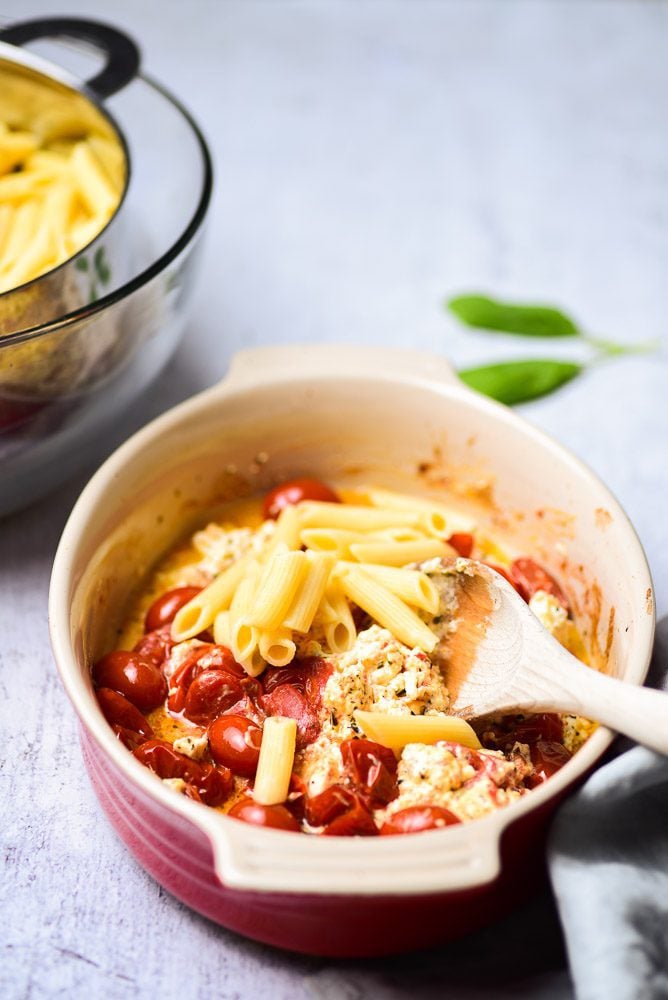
{"x": 321, "y": 764}
{"x": 470, "y": 783}
{"x": 178, "y": 654}
{"x": 379, "y": 673}
{"x": 177, "y": 784}
{"x": 553, "y": 616}
{"x": 193, "y": 746}
{"x": 221, "y": 546}
{"x": 576, "y": 731}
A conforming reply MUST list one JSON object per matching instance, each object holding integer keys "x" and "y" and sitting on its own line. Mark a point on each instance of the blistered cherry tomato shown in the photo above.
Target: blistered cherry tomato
{"x": 372, "y": 768}
{"x": 462, "y": 543}
{"x": 309, "y": 676}
{"x": 235, "y": 741}
{"x": 133, "y": 676}
{"x": 321, "y": 809}
{"x": 212, "y": 784}
{"x": 418, "y": 818}
{"x": 277, "y": 816}
{"x": 163, "y": 610}
{"x": 202, "y": 658}
{"x": 528, "y": 577}
{"x": 210, "y": 694}
{"x": 156, "y": 646}
{"x": 545, "y": 726}
{"x": 129, "y": 738}
{"x": 118, "y": 711}
{"x": 355, "y": 822}
{"x": 293, "y": 492}
{"x": 288, "y": 701}
{"x": 547, "y": 757}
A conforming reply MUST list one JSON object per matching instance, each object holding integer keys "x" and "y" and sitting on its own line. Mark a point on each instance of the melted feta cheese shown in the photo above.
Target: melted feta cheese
{"x": 177, "y": 784}
{"x": 221, "y": 546}
{"x": 193, "y": 746}
{"x": 381, "y": 674}
{"x": 178, "y": 654}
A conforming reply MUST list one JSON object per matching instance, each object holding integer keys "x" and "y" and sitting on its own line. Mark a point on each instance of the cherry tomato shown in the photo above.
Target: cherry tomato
{"x": 129, "y": 738}
{"x": 417, "y": 818}
{"x": 319, "y": 810}
{"x": 287, "y": 700}
{"x": 309, "y": 676}
{"x": 293, "y": 492}
{"x": 356, "y": 822}
{"x": 163, "y": 610}
{"x": 210, "y": 694}
{"x": 462, "y": 542}
{"x": 528, "y": 577}
{"x": 118, "y": 711}
{"x": 235, "y": 741}
{"x": 202, "y": 658}
{"x": 212, "y": 784}
{"x": 546, "y": 726}
{"x": 372, "y": 768}
{"x": 277, "y": 816}
{"x": 547, "y": 758}
{"x": 133, "y": 676}
{"x": 156, "y": 646}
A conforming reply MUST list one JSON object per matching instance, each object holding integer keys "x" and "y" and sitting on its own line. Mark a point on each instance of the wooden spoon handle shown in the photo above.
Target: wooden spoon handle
{"x": 640, "y": 713}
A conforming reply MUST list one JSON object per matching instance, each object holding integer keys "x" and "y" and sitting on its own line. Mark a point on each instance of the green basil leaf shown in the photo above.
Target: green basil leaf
{"x": 527, "y": 320}
{"x": 512, "y": 382}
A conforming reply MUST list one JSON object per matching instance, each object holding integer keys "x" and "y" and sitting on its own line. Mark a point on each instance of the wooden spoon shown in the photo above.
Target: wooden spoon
{"x": 499, "y": 658}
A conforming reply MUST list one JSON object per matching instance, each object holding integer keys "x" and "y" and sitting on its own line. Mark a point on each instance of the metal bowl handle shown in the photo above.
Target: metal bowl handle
{"x": 122, "y": 54}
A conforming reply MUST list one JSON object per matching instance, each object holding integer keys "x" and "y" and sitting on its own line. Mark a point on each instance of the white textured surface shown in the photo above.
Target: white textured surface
{"x": 372, "y": 158}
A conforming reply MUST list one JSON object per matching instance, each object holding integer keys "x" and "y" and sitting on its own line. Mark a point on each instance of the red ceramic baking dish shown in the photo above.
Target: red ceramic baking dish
{"x": 401, "y": 420}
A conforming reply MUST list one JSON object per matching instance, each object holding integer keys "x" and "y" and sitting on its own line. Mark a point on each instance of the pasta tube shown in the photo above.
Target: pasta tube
{"x": 387, "y": 609}
{"x": 318, "y": 514}
{"x": 400, "y": 553}
{"x": 200, "y": 612}
{"x": 305, "y": 604}
{"x": 277, "y": 754}
{"x": 277, "y": 647}
{"x": 278, "y": 585}
{"x": 410, "y": 585}
{"x": 396, "y": 731}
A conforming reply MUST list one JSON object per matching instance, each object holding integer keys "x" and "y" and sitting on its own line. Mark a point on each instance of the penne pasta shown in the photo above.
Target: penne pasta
{"x": 337, "y": 541}
{"x": 277, "y": 755}
{"x": 302, "y": 611}
{"x": 287, "y": 531}
{"x": 400, "y": 553}
{"x": 396, "y": 731}
{"x": 318, "y": 514}
{"x": 335, "y": 616}
{"x": 410, "y": 585}
{"x": 277, "y": 647}
{"x": 200, "y": 612}
{"x": 278, "y": 585}
{"x": 454, "y": 519}
{"x": 221, "y": 629}
{"x": 387, "y": 609}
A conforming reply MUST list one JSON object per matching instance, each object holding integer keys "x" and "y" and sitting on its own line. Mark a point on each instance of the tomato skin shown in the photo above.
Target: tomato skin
{"x": 133, "y": 676}
{"x": 118, "y": 711}
{"x": 129, "y": 738}
{"x": 235, "y": 742}
{"x": 372, "y": 768}
{"x": 309, "y": 676}
{"x": 156, "y": 646}
{"x": 355, "y": 822}
{"x": 528, "y": 577}
{"x": 163, "y": 610}
{"x": 202, "y": 658}
{"x": 463, "y": 543}
{"x": 293, "y": 492}
{"x": 277, "y": 817}
{"x": 321, "y": 809}
{"x": 415, "y": 819}
{"x": 547, "y": 757}
{"x": 212, "y": 784}
{"x": 210, "y": 694}
{"x": 288, "y": 701}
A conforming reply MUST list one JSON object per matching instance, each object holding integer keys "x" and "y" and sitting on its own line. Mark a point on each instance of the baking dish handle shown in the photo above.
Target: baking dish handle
{"x": 264, "y": 364}
{"x": 121, "y": 53}
{"x": 252, "y": 858}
